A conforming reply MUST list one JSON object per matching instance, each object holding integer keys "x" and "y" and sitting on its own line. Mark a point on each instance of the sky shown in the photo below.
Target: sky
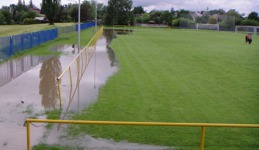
{"x": 242, "y": 6}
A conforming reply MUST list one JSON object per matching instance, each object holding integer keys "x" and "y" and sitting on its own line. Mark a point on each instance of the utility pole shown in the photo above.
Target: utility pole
{"x": 96, "y": 16}
{"x": 79, "y": 27}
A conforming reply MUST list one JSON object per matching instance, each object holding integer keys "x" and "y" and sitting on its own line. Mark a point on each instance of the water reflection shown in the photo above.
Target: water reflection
{"x": 13, "y": 68}
{"x": 102, "y": 65}
{"x": 50, "y": 70}
{"x": 109, "y": 35}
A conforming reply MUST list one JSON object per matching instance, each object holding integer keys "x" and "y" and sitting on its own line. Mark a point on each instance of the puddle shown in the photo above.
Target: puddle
{"x": 28, "y": 88}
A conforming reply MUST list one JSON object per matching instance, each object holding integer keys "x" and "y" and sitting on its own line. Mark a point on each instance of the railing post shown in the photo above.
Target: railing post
{"x": 11, "y": 46}
{"x": 202, "y": 138}
{"x": 70, "y": 76}
{"x": 59, "y": 93}
{"x": 28, "y": 134}
{"x": 31, "y": 40}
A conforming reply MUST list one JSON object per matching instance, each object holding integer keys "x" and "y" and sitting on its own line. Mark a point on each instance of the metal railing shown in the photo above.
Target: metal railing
{"x": 79, "y": 64}
{"x": 202, "y": 125}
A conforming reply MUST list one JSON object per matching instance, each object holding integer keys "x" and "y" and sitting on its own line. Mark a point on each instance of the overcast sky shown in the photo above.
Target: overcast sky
{"x": 242, "y": 6}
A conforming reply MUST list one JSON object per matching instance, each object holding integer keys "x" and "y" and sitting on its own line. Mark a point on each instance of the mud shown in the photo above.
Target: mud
{"x": 27, "y": 90}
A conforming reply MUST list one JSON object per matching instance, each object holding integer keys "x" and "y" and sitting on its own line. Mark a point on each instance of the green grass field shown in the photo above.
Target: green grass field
{"x": 7, "y": 30}
{"x": 180, "y": 76}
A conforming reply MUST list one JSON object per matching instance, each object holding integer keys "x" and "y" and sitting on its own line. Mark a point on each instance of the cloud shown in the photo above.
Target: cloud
{"x": 242, "y": 6}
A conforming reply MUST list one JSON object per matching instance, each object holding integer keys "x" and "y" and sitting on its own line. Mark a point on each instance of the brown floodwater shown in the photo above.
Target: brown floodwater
{"x": 28, "y": 88}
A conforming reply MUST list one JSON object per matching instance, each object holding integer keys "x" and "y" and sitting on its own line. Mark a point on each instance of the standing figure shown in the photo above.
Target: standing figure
{"x": 248, "y": 38}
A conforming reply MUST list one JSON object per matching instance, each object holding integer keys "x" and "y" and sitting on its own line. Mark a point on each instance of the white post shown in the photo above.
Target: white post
{"x": 96, "y": 16}
{"x": 79, "y": 27}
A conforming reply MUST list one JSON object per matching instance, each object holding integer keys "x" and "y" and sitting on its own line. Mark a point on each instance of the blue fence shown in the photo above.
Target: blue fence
{"x": 13, "y": 44}
{"x": 85, "y": 25}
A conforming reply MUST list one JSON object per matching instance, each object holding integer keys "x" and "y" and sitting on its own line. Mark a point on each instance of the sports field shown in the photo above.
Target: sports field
{"x": 171, "y": 75}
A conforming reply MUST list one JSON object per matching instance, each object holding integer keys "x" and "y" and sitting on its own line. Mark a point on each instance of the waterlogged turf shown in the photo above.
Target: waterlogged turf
{"x": 171, "y": 75}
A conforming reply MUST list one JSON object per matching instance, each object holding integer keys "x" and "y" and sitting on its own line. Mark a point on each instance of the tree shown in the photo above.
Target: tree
{"x": 101, "y": 11}
{"x": 253, "y": 16}
{"x": 2, "y": 18}
{"x": 249, "y": 22}
{"x": 7, "y": 16}
{"x": 173, "y": 11}
{"x": 212, "y": 20}
{"x": 235, "y": 15}
{"x": 50, "y": 8}
{"x": 184, "y": 14}
{"x": 118, "y": 12}
{"x": 138, "y": 10}
{"x": 86, "y": 11}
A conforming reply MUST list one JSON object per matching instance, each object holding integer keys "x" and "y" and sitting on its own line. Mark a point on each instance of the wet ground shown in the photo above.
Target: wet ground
{"x": 27, "y": 90}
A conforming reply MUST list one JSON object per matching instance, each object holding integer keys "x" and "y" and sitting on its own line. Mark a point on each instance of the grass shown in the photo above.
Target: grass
{"x": 64, "y": 39}
{"x": 180, "y": 76}
{"x": 7, "y": 30}
{"x": 54, "y": 147}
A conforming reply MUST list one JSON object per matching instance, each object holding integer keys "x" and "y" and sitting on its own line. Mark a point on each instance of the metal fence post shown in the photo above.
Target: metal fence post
{"x": 11, "y": 46}
{"x": 202, "y": 138}
{"x": 30, "y": 40}
{"x": 28, "y": 134}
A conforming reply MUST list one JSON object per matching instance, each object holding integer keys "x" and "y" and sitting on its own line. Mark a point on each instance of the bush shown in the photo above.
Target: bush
{"x": 2, "y": 18}
{"x": 249, "y": 22}
{"x": 27, "y": 21}
{"x": 183, "y": 22}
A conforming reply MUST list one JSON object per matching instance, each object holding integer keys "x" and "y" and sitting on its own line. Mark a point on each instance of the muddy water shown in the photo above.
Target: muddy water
{"x": 28, "y": 89}
{"x": 22, "y": 96}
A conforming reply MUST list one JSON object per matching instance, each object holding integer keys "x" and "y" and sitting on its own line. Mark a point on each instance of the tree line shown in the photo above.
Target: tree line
{"x": 119, "y": 12}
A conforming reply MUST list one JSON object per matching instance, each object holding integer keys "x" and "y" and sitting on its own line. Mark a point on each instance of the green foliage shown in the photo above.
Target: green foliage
{"x": 86, "y": 12}
{"x": 2, "y": 19}
{"x": 249, "y": 22}
{"x": 7, "y": 16}
{"x": 101, "y": 11}
{"x": 202, "y": 19}
{"x": 50, "y": 9}
{"x": 183, "y": 23}
{"x": 212, "y": 20}
{"x": 118, "y": 12}
{"x": 161, "y": 17}
{"x": 180, "y": 76}
{"x": 62, "y": 15}
{"x": 144, "y": 18}
{"x": 228, "y": 22}
{"x": 138, "y": 10}
{"x": 184, "y": 14}
{"x": 253, "y": 16}
{"x": 55, "y": 147}
{"x": 27, "y": 21}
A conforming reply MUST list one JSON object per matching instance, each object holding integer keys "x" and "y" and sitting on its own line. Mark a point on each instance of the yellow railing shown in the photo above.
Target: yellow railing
{"x": 78, "y": 65}
{"x": 202, "y": 125}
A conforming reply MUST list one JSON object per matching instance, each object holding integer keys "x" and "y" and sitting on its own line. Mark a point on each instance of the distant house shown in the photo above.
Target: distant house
{"x": 41, "y": 19}
{"x": 35, "y": 9}
{"x": 217, "y": 16}
{"x": 195, "y": 14}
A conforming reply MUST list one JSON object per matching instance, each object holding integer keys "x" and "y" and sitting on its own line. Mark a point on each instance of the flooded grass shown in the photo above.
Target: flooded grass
{"x": 55, "y": 147}
{"x": 180, "y": 76}
{"x": 29, "y": 89}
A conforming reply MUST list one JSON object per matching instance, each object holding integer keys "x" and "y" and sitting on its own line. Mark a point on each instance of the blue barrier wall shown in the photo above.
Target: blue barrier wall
{"x": 85, "y": 25}
{"x": 16, "y": 43}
